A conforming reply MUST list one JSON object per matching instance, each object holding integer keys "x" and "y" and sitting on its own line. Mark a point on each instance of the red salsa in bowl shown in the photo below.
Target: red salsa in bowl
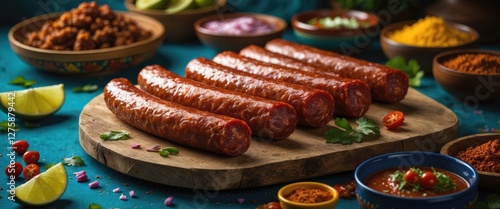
{"x": 416, "y": 182}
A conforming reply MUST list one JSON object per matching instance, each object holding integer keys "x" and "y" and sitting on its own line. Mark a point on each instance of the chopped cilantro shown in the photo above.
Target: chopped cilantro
{"x": 73, "y": 161}
{"x": 5, "y": 125}
{"x": 115, "y": 135}
{"x": 85, "y": 88}
{"x": 20, "y": 80}
{"x": 345, "y": 134}
{"x": 412, "y": 69}
{"x": 48, "y": 166}
{"x": 94, "y": 206}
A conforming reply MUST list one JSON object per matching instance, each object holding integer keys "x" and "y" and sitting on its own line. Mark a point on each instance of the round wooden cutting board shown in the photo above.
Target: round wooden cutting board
{"x": 428, "y": 126}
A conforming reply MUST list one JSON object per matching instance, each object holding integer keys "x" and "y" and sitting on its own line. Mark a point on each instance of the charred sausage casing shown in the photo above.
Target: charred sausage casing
{"x": 177, "y": 123}
{"x": 272, "y": 119}
{"x": 314, "y": 107}
{"x": 352, "y": 96}
{"x": 386, "y": 84}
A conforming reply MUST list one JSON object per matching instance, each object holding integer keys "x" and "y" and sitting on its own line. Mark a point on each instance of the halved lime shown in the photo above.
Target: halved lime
{"x": 44, "y": 188}
{"x": 33, "y": 103}
{"x": 151, "y": 4}
{"x": 176, "y": 6}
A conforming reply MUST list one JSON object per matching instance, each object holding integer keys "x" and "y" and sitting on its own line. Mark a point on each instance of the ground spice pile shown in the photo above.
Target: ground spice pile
{"x": 305, "y": 195}
{"x": 475, "y": 63}
{"x": 485, "y": 157}
{"x": 431, "y": 31}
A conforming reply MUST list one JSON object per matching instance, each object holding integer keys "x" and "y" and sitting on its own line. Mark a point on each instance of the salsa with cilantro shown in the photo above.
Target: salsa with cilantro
{"x": 416, "y": 182}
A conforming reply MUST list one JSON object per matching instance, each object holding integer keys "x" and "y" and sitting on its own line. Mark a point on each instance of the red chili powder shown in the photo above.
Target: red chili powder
{"x": 485, "y": 157}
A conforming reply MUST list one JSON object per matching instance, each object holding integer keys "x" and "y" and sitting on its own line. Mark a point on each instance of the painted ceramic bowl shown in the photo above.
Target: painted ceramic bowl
{"x": 371, "y": 198}
{"x": 341, "y": 39}
{"x": 472, "y": 88}
{"x": 88, "y": 62}
{"x": 487, "y": 180}
{"x": 289, "y": 204}
{"x": 423, "y": 55}
{"x": 220, "y": 40}
{"x": 178, "y": 26}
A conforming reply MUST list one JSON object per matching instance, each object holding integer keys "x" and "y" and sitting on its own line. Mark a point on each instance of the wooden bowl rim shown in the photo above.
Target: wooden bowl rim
{"x": 446, "y": 147}
{"x": 129, "y": 4}
{"x": 86, "y": 55}
{"x": 308, "y": 184}
{"x": 398, "y": 25}
{"x": 279, "y": 23}
{"x": 438, "y": 60}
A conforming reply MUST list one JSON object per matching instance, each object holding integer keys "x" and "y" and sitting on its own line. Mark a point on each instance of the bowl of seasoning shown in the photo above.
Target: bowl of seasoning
{"x": 482, "y": 151}
{"x": 233, "y": 31}
{"x": 425, "y": 38}
{"x": 471, "y": 75}
{"x": 339, "y": 30}
{"x": 176, "y": 16}
{"x": 308, "y": 195}
{"x": 412, "y": 180}
{"x": 91, "y": 39}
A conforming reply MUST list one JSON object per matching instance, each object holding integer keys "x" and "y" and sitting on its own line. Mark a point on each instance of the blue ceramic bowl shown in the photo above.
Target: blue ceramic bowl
{"x": 341, "y": 40}
{"x": 370, "y": 198}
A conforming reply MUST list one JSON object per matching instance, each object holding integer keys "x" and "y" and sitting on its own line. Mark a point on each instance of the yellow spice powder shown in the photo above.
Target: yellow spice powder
{"x": 431, "y": 31}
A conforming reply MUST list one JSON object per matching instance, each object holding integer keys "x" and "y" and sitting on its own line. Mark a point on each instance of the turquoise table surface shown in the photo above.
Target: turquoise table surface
{"x": 57, "y": 137}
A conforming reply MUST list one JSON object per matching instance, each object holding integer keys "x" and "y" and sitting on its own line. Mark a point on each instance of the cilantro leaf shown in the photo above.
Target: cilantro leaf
{"x": 115, "y": 135}
{"x": 20, "y": 80}
{"x": 411, "y": 69}
{"x": 345, "y": 134}
{"x": 85, "y": 88}
{"x": 5, "y": 125}
{"x": 49, "y": 166}
{"x": 94, "y": 206}
{"x": 73, "y": 161}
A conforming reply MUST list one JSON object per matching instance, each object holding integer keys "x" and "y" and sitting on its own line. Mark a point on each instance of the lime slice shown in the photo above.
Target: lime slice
{"x": 151, "y": 4}
{"x": 204, "y": 3}
{"x": 176, "y": 6}
{"x": 44, "y": 188}
{"x": 33, "y": 103}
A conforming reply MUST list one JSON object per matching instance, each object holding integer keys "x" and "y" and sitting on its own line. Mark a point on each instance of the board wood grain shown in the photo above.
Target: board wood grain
{"x": 428, "y": 126}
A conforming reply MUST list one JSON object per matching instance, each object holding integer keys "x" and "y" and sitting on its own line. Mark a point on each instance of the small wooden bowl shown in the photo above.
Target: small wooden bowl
{"x": 423, "y": 55}
{"x": 221, "y": 42}
{"x": 487, "y": 180}
{"x": 469, "y": 87}
{"x": 85, "y": 62}
{"x": 288, "y": 204}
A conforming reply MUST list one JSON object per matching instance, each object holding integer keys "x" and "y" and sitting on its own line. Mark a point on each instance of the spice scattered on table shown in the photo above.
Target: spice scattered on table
{"x": 475, "y": 63}
{"x": 431, "y": 31}
{"x": 485, "y": 157}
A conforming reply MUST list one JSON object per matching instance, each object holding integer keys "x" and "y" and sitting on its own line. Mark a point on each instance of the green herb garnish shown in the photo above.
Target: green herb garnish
{"x": 48, "y": 166}
{"x": 20, "y": 80}
{"x": 73, "y": 161}
{"x": 115, "y": 135}
{"x": 168, "y": 151}
{"x": 345, "y": 134}
{"x": 5, "y": 126}
{"x": 85, "y": 88}
{"x": 95, "y": 206}
{"x": 411, "y": 69}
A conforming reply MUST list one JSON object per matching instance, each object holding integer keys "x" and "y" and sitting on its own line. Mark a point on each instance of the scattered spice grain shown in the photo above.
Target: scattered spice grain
{"x": 306, "y": 195}
{"x": 485, "y": 157}
{"x": 475, "y": 63}
{"x": 431, "y": 31}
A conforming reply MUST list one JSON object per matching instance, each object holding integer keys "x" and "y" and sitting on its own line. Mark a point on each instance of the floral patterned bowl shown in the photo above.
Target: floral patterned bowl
{"x": 369, "y": 198}
{"x": 88, "y": 62}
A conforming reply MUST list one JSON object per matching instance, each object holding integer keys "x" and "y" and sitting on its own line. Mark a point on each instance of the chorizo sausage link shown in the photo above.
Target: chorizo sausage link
{"x": 352, "y": 97}
{"x": 272, "y": 119}
{"x": 184, "y": 125}
{"x": 387, "y": 84}
{"x": 314, "y": 107}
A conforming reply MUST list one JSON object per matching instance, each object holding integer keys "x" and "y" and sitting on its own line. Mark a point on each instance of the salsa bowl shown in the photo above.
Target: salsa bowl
{"x": 336, "y": 38}
{"x": 372, "y": 198}
{"x": 85, "y": 62}
{"x": 221, "y": 41}
{"x": 487, "y": 180}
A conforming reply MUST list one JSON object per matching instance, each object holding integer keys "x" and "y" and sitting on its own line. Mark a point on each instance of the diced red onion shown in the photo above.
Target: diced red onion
{"x": 131, "y": 193}
{"x": 94, "y": 184}
{"x": 153, "y": 148}
{"x": 245, "y": 25}
{"x": 240, "y": 200}
{"x": 123, "y": 197}
{"x": 115, "y": 190}
{"x": 81, "y": 178}
{"x": 168, "y": 201}
{"x": 79, "y": 173}
{"x": 136, "y": 146}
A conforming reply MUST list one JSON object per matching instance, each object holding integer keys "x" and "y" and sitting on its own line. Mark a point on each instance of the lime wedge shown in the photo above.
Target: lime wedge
{"x": 33, "y": 103}
{"x": 44, "y": 188}
{"x": 151, "y": 4}
{"x": 204, "y": 3}
{"x": 176, "y": 6}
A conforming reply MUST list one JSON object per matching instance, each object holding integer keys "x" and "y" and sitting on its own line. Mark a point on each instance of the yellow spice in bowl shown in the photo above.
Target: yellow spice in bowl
{"x": 431, "y": 31}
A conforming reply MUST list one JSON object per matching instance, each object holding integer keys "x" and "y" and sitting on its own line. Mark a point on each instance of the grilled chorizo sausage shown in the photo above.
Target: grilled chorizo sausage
{"x": 352, "y": 97}
{"x": 272, "y": 119}
{"x": 314, "y": 107}
{"x": 386, "y": 84}
{"x": 184, "y": 125}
